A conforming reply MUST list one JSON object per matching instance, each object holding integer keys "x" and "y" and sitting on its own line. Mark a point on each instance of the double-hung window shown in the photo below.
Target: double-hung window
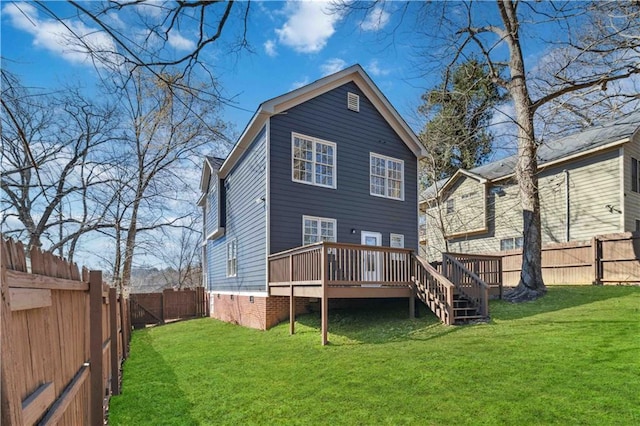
{"x": 315, "y": 229}
{"x": 232, "y": 258}
{"x": 386, "y": 177}
{"x": 313, "y": 161}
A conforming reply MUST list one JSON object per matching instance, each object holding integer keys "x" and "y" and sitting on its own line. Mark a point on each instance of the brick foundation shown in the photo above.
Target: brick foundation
{"x": 254, "y": 311}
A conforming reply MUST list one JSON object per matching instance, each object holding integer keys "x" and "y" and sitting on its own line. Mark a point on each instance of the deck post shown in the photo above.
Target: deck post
{"x": 292, "y": 311}
{"x": 412, "y": 301}
{"x": 325, "y": 298}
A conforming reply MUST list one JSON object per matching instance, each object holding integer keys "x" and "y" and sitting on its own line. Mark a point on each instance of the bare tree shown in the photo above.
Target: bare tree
{"x": 166, "y": 134}
{"x": 50, "y": 162}
{"x": 593, "y": 45}
{"x": 132, "y": 36}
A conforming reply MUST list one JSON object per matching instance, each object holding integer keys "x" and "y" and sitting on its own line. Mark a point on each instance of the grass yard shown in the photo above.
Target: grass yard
{"x": 572, "y": 357}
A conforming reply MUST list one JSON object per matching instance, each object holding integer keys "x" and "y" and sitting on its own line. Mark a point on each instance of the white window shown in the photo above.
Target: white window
{"x": 313, "y": 161}
{"x": 386, "y": 177}
{"x": 396, "y": 240}
{"x": 232, "y": 258}
{"x": 511, "y": 243}
{"x": 315, "y": 229}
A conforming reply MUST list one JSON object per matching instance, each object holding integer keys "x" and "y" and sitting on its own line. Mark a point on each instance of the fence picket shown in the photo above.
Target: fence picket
{"x": 46, "y": 346}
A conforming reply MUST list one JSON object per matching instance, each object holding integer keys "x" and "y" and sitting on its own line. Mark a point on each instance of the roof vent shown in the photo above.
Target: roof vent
{"x": 353, "y": 102}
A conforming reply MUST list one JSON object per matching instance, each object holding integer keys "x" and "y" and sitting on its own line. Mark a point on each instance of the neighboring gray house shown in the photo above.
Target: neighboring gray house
{"x": 331, "y": 161}
{"x": 589, "y": 184}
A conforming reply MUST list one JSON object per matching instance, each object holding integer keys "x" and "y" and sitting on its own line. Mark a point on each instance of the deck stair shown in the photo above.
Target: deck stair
{"x": 455, "y": 294}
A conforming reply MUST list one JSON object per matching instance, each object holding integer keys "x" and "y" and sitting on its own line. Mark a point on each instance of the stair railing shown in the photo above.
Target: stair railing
{"x": 466, "y": 283}
{"x": 434, "y": 289}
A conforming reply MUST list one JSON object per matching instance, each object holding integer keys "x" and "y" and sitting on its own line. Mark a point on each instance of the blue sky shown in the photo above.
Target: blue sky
{"x": 292, "y": 44}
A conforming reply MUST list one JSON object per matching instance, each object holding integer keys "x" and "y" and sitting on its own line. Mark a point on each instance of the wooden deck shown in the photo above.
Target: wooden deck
{"x": 456, "y": 293}
{"x": 337, "y": 270}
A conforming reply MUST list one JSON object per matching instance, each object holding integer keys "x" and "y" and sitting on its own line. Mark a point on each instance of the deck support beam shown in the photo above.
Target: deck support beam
{"x": 292, "y": 310}
{"x": 325, "y": 295}
{"x": 412, "y": 301}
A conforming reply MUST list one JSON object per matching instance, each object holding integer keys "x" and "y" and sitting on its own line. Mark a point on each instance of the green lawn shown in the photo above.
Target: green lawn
{"x": 572, "y": 357}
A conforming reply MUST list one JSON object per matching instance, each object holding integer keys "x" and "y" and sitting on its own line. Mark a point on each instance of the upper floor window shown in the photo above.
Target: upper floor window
{"x": 451, "y": 207}
{"x": 386, "y": 177}
{"x": 635, "y": 176}
{"x": 314, "y": 161}
{"x": 316, "y": 229}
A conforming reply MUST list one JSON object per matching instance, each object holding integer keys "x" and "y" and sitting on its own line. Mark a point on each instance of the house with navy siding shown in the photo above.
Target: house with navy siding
{"x": 317, "y": 174}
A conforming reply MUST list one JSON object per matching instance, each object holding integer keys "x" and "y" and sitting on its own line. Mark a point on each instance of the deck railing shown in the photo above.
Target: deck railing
{"x": 346, "y": 265}
{"x": 435, "y": 290}
{"x": 488, "y": 268}
{"x": 467, "y": 283}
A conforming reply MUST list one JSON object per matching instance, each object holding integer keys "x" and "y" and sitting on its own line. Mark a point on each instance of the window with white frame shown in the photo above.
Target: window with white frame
{"x": 511, "y": 243}
{"x": 315, "y": 229}
{"x": 313, "y": 161}
{"x": 396, "y": 240}
{"x": 232, "y": 258}
{"x": 386, "y": 177}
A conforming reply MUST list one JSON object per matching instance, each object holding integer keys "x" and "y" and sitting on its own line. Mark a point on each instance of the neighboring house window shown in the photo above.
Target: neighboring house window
{"x": 232, "y": 258}
{"x": 386, "y": 177}
{"x": 314, "y": 161}
{"x": 315, "y": 229}
{"x": 511, "y": 243}
{"x": 635, "y": 178}
{"x": 450, "y": 206}
{"x": 637, "y": 225}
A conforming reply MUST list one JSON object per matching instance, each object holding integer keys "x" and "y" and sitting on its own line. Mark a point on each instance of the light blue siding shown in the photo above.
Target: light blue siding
{"x": 245, "y": 220}
{"x": 212, "y": 206}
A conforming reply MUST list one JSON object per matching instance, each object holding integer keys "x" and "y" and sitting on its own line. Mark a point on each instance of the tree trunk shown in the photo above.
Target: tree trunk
{"x": 531, "y": 285}
{"x": 129, "y": 246}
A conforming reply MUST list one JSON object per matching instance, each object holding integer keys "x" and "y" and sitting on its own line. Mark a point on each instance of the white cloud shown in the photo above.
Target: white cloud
{"x": 332, "y": 66}
{"x": 72, "y": 42}
{"x": 309, "y": 25}
{"x": 376, "y": 20}
{"x": 298, "y": 84}
{"x": 374, "y": 69}
{"x": 270, "y": 48}
{"x": 177, "y": 41}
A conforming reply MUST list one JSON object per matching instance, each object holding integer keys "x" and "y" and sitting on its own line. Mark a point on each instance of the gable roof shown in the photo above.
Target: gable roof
{"x": 614, "y": 133}
{"x": 276, "y": 105}
{"x": 211, "y": 165}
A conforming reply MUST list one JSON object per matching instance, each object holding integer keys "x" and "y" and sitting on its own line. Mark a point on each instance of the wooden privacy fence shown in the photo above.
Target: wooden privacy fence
{"x": 606, "y": 259}
{"x": 64, "y": 338}
{"x": 157, "y": 308}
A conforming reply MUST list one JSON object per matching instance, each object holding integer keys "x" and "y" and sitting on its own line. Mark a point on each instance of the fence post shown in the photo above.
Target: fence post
{"x": 163, "y": 307}
{"x": 125, "y": 324}
{"x": 96, "y": 412}
{"x": 10, "y": 404}
{"x": 596, "y": 257}
{"x": 115, "y": 356}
